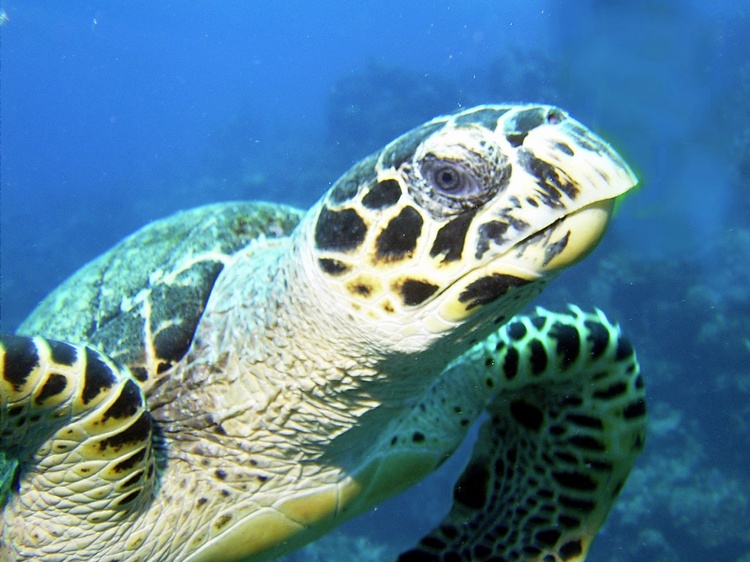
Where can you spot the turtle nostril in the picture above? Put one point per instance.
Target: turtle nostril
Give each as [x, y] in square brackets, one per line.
[555, 116]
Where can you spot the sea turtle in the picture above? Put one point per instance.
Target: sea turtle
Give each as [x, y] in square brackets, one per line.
[233, 381]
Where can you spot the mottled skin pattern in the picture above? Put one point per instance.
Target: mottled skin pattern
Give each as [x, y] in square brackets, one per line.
[255, 376]
[571, 413]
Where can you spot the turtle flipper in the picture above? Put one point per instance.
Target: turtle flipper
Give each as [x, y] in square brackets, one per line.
[562, 436]
[76, 426]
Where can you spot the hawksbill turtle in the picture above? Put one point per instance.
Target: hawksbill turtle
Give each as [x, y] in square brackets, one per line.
[233, 381]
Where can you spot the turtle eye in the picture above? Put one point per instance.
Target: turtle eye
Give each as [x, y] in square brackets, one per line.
[449, 178]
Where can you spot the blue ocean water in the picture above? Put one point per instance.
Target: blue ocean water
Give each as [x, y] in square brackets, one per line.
[114, 114]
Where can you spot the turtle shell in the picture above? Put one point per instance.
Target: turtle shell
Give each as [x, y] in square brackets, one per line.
[141, 301]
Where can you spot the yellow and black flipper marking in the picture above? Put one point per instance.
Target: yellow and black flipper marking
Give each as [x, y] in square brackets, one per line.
[78, 428]
[565, 426]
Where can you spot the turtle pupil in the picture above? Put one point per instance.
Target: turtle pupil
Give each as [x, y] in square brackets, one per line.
[448, 179]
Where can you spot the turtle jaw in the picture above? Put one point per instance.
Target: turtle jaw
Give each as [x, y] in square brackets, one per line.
[525, 268]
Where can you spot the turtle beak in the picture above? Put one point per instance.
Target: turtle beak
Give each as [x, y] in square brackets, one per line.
[529, 265]
[562, 244]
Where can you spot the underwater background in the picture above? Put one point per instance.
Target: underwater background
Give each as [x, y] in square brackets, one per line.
[116, 113]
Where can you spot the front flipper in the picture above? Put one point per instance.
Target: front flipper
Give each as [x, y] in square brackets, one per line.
[79, 438]
[564, 429]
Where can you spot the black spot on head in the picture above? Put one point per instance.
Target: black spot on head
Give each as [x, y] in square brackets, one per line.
[382, 195]
[415, 292]
[529, 119]
[63, 353]
[493, 231]
[418, 437]
[555, 248]
[451, 237]
[98, 376]
[399, 238]
[348, 185]
[339, 230]
[221, 474]
[487, 118]
[403, 148]
[528, 415]
[20, 359]
[362, 289]
[333, 267]
[564, 147]
[585, 139]
[126, 404]
[552, 184]
[516, 139]
[471, 488]
[488, 289]
[54, 385]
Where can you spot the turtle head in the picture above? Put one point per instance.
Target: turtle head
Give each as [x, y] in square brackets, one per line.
[457, 224]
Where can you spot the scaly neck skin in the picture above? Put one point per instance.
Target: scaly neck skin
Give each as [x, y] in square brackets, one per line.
[281, 393]
[279, 365]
